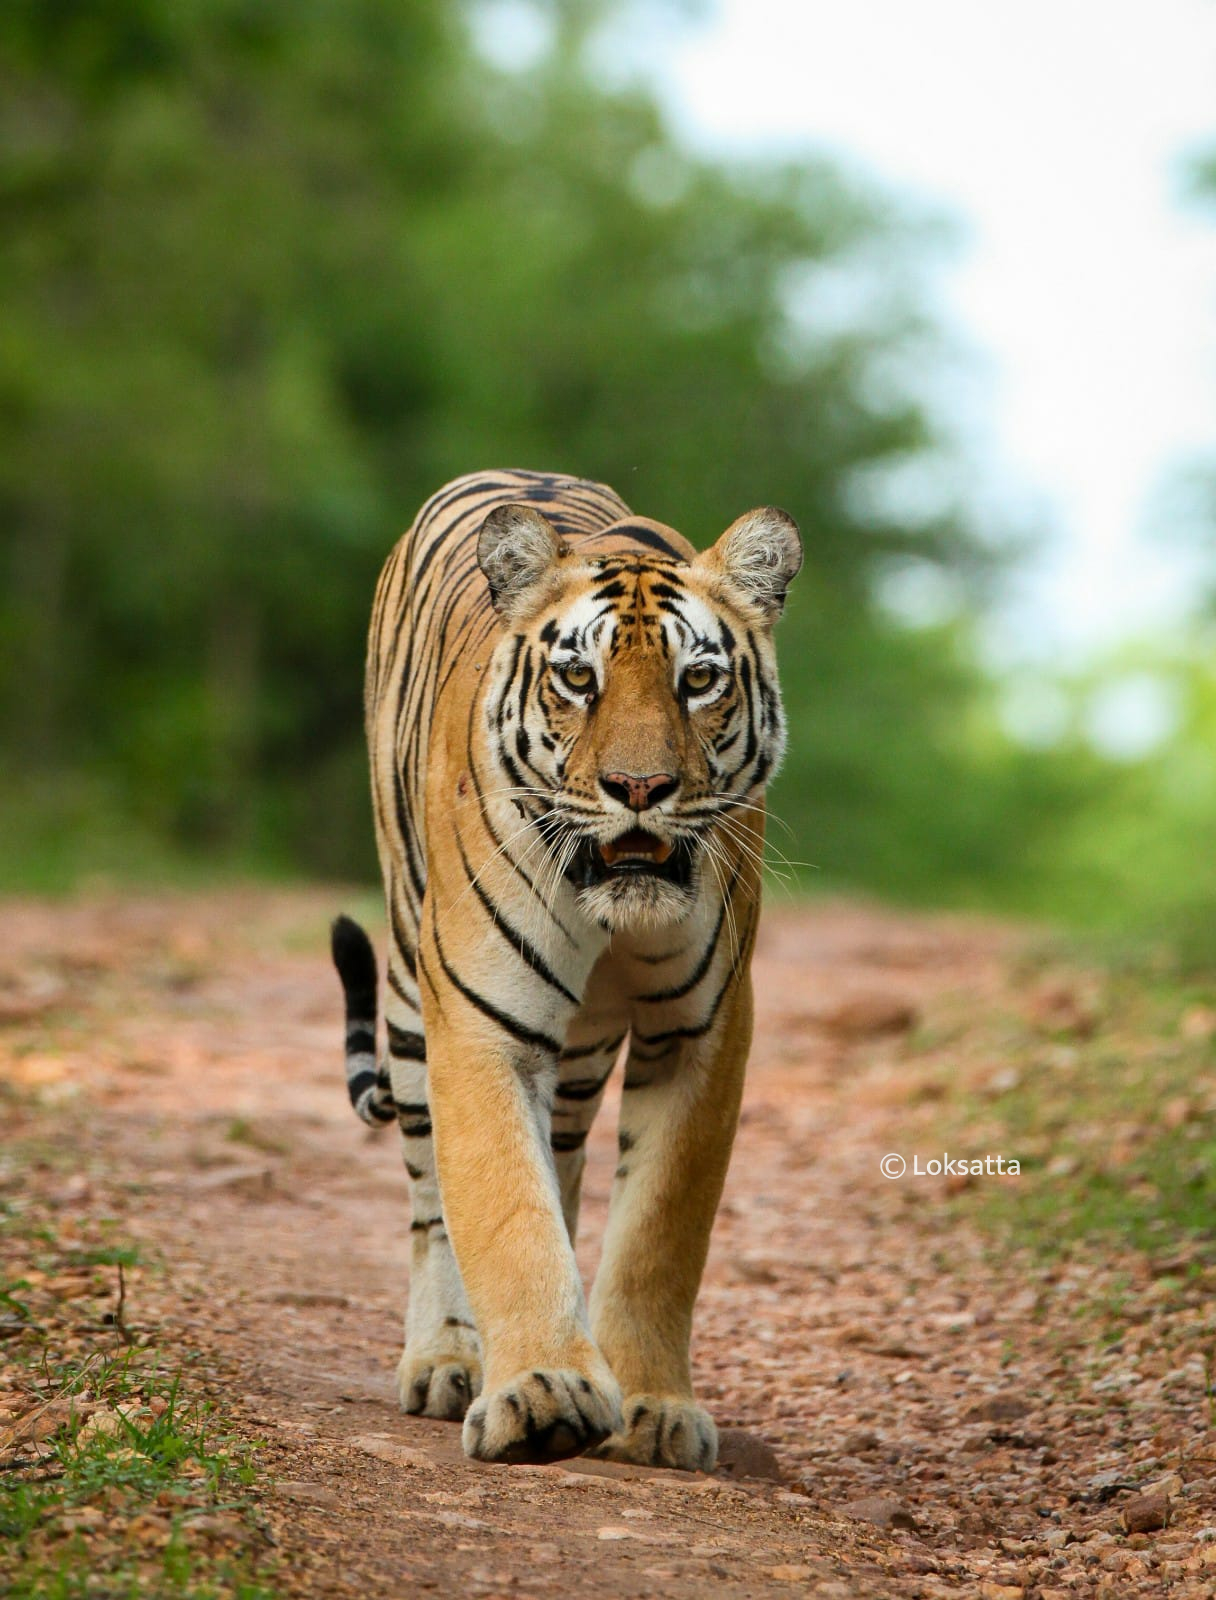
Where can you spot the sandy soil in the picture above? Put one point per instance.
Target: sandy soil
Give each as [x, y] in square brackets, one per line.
[906, 1410]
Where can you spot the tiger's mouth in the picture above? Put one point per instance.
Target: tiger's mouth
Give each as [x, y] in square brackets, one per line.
[635, 849]
[636, 854]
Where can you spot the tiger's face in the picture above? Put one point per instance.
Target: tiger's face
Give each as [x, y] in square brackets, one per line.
[633, 705]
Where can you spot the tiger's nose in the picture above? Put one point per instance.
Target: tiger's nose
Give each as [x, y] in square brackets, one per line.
[638, 793]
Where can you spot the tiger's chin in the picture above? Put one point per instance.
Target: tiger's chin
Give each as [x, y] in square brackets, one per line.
[640, 903]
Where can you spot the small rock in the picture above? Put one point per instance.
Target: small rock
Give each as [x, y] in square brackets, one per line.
[914, 1561]
[859, 1442]
[1145, 1513]
[998, 1408]
[1105, 1485]
[745, 1455]
[791, 1574]
[882, 1511]
[1170, 1485]
[105, 1423]
[1057, 1538]
[868, 1016]
[312, 1494]
[248, 1181]
[899, 1349]
[387, 1450]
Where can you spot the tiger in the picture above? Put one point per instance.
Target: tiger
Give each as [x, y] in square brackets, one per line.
[571, 718]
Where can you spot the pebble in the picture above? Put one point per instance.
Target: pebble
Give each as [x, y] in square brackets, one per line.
[1145, 1513]
[390, 1450]
[859, 1442]
[1170, 1485]
[867, 1016]
[313, 1494]
[881, 1511]
[746, 1455]
[998, 1408]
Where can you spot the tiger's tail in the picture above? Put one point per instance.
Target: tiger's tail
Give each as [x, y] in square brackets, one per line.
[367, 1083]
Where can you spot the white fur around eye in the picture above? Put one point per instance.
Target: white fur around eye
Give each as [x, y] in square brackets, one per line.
[559, 667]
[698, 699]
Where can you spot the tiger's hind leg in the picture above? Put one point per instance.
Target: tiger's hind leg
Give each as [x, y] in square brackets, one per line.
[439, 1374]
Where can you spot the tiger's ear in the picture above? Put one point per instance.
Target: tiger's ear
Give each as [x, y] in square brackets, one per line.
[760, 555]
[516, 549]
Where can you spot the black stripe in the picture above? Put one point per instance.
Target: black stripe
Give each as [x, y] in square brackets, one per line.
[653, 540]
[524, 948]
[360, 1084]
[565, 1143]
[702, 967]
[581, 1088]
[702, 1028]
[517, 1030]
[582, 1051]
[360, 1039]
[404, 1045]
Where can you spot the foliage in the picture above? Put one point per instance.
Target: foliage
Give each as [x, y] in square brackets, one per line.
[277, 271]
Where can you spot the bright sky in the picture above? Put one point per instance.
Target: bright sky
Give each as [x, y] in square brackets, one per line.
[1056, 130]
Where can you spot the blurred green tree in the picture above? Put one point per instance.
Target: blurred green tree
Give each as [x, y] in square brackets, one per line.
[274, 271]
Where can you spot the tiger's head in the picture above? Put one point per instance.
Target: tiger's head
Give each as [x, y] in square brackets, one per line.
[633, 703]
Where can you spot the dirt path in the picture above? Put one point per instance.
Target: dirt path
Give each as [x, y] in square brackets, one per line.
[941, 1421]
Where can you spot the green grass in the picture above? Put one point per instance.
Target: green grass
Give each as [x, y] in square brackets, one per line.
[1114, 1123]
[144, 1488]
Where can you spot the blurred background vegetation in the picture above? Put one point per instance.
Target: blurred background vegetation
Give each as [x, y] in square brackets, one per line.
[274, 271]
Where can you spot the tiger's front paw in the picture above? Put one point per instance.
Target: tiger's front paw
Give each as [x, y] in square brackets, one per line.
[540, 1416]
[440, 1382]
[664, 1432]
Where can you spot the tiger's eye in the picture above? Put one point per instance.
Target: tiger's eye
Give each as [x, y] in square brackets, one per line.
[698, 679]
[578, 676]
